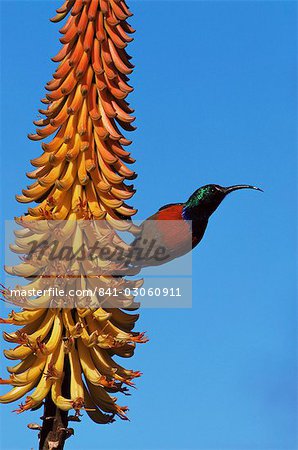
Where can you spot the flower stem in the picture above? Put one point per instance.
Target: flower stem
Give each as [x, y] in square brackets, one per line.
[54, 430]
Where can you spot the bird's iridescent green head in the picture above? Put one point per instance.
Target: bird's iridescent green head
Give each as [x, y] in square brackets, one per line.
[205, 200]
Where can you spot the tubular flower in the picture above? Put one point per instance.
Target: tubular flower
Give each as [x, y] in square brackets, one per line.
[82, 170]
[85, 341]
[68, 351]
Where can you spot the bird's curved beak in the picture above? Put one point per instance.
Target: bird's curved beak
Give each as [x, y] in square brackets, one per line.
[230, 189]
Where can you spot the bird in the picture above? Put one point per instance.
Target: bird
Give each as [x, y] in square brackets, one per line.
[177, 228]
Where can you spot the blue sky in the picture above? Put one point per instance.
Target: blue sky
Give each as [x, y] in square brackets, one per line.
[216, 101]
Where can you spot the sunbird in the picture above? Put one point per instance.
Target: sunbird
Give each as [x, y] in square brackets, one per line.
[177, 228]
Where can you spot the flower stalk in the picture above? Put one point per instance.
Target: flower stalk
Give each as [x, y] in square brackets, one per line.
[65, 352]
